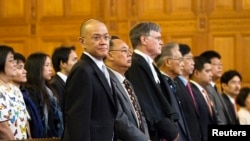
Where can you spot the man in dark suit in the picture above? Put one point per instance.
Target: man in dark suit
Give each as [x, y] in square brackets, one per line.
[186, 97]
[63, 59]
[170, 63]
[231, 85]
[200, 78]
[130, 123]
[90, 104]
[221, 110]
[148, 82]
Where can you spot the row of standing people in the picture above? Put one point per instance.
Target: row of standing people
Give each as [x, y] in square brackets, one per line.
[96, 108]
[31, 105]
[170, 110]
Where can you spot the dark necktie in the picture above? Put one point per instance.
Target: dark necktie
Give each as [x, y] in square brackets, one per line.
[134, 102]
[215, 87]
[172, 85]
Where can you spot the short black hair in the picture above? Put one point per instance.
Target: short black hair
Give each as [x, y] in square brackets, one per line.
[19, 57]
[184, 49]
[111, 43]
[61, 53]
[228, 75]
[4, 51]
[209, 54]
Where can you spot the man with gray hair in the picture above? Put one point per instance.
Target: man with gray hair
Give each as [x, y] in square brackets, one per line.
[148, 82]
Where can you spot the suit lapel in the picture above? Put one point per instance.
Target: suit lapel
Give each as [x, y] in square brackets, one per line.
[100, 76]
[122, 92]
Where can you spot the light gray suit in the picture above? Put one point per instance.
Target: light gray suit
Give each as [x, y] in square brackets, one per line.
[221, 110]
[126, 124]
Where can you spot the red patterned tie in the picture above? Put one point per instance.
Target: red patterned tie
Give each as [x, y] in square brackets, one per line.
[209, 102]
[191, 94]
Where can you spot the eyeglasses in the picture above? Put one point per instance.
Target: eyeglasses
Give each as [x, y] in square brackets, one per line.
[180, 59]
[188, 58]
[217, 64]
[98, 37]
[123, 50]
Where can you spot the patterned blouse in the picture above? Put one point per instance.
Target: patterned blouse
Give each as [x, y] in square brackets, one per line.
[13, 109]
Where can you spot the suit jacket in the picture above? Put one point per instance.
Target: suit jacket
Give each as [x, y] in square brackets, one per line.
[126, 121]
[58, 85]
[90, 105]
[205, 117]
[190, 112]
[221, 110]
[177, 105]
[152, 98]
[231, 111]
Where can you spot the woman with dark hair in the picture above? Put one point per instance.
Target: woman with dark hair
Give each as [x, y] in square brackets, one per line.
[243, 100]
[39, 72]
[13, 114]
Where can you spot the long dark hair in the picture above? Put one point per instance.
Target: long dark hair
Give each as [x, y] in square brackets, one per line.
[35, 81]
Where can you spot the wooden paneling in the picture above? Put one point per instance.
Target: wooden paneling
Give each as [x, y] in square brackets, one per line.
[8, 10]
[42, 25]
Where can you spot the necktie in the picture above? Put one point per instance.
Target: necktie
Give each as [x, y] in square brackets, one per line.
[235, 110]
[215, 87]
[172, 84]
[209, 102]
[133, 100]
[106, 73]
[191, 94]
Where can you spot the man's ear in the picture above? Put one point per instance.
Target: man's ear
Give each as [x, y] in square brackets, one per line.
[223, 85]
[109, 56]
[81, 40]
[62, 64]
[143, 40]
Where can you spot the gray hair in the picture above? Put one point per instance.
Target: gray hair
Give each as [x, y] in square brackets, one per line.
[142, 29]
[166, 51]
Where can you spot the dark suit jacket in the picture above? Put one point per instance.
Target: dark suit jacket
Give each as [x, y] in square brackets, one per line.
[126, 121]
[205, 117]
[152, 98]
[221, 110]
[59, 87]
[231, 111]
[177, 105]
[90, 106]
[190, 113]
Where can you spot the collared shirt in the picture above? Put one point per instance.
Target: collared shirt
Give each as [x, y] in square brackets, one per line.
[99, 63]
[201, 89]
[183, 79]
[150, 63]
[63, 76]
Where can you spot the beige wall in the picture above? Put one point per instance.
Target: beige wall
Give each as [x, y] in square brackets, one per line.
[222, 25]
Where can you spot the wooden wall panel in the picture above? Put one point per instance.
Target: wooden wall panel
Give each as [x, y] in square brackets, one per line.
[224, 44]
[19, 44]
[246, 4]
[79, 8]
[242, 58]
[12, 8]
[41, 25]
[51, 8]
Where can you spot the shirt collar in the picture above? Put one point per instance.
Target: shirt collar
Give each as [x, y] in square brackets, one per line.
[63, 76]
[99, 63]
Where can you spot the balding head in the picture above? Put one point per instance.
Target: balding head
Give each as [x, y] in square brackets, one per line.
[84, 27]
